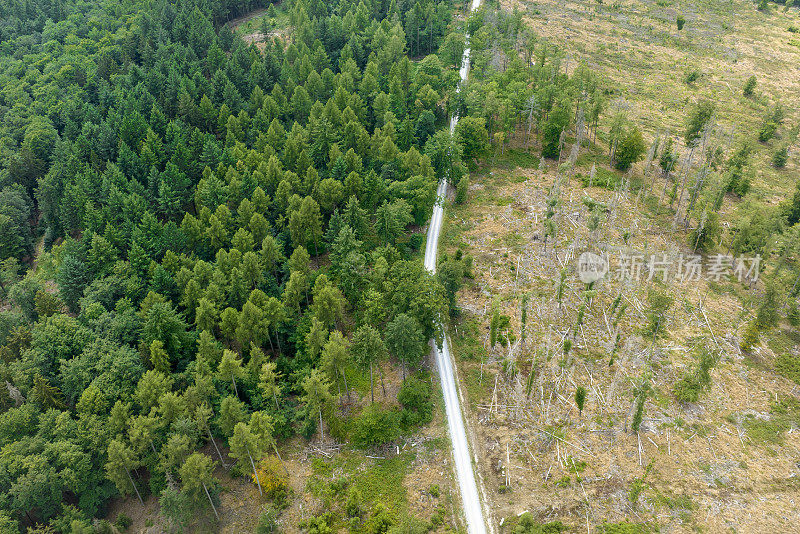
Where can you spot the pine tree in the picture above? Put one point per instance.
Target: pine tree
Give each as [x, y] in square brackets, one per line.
[638, 413]
[230, 368]
[196, 473]
[268, 381]
[316, 395]
[368, 349]
[749, 86]
[580, 398]
[159, 358]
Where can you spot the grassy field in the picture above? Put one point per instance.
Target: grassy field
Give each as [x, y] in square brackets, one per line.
[252, 26]
[724, 463]
[636, 46]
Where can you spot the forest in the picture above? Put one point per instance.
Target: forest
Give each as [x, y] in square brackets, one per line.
[204, 243]
[200, 237]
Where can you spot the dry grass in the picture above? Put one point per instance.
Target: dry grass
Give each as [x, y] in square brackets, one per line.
[708, 472]
[637, 48]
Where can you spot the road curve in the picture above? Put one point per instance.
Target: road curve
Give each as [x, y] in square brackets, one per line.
[470, 498]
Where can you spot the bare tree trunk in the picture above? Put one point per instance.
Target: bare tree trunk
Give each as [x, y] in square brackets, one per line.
[210, 435]
[652, 183]
[235, 390]
[685, 177]
[211, 501]
[275, 448]
[321, 432]
[383, 385]
[346, 389]
[255, 473]
[134, 486]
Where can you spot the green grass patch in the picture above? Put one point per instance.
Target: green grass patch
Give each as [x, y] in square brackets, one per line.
[603, 177]
[465, 338]
[277, 18]
[513, 158]
[357, 492]
[383, 482]
[478, 388]
[623, 528]
[357, 380]
[515, 242]
[682, 505]
[788, 366]
[782, 343]
[527, 524]
[784, 414]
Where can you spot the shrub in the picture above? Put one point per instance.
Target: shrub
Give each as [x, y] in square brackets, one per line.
[316, 525]
[706, 234]
[750, 336]
[680, 21]
[415, 398]
[691, 77]
[273, 479]
[123, 522]
[631, 148]
[409, 525]
[687, 389]
[693, 383]
[415, 241]
[381, 520]
[780, 157]
[601, 178]
[528, 525]
[374, 426]
[353, 505]
[268, 521]
[793, 314]
[767, 313]
[749, 86]
[660, 303]
[461, 189]
[621, 528]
